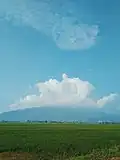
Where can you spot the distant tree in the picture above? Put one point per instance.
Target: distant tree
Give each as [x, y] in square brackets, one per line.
[28, 121]
[46, 121]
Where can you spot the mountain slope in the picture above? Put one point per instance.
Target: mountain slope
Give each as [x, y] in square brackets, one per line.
[59, 114]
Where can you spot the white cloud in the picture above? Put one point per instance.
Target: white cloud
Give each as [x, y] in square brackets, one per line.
[69, 35]
[57, 19]
[69, 92]
[107, 99]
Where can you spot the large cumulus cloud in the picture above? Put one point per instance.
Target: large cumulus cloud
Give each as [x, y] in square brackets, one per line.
[69, 92]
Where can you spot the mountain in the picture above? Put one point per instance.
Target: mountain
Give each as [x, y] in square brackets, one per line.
[59, 114]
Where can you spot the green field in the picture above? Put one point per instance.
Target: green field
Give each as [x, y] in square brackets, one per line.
[57, 139]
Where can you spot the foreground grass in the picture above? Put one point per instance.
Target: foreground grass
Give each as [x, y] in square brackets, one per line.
[112, 153]
[61, 141]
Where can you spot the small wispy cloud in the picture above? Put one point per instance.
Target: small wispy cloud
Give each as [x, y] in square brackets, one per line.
[69, 92]
[70, 35]
[57, 19]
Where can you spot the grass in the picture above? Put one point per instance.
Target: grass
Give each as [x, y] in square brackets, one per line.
[59, 140]
[112, 153]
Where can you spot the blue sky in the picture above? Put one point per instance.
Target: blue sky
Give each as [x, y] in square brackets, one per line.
[30, 51]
